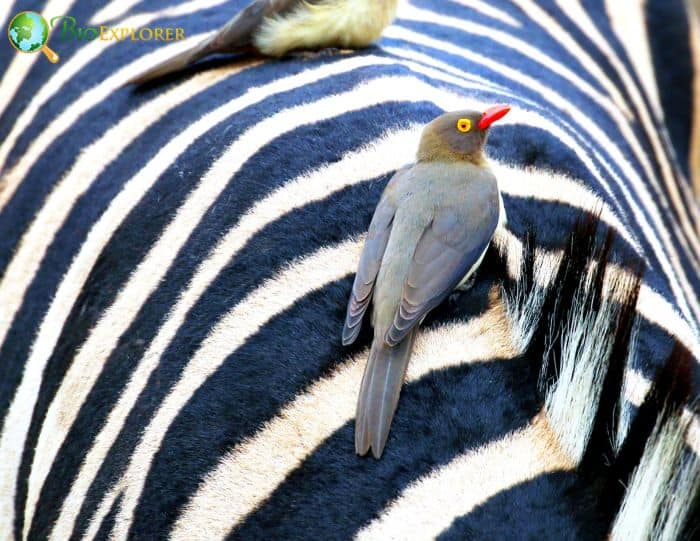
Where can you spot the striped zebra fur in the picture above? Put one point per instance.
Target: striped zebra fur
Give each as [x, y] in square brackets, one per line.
[175, 263]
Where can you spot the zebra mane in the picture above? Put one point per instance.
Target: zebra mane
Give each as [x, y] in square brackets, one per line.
[576, 313]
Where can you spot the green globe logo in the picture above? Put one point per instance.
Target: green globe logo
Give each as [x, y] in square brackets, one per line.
[29, 32]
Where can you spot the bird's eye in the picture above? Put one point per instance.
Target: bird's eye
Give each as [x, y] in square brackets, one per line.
[464, 125]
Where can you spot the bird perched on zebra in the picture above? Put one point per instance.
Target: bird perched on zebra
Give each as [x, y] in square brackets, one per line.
[276, 27]
[429, 233]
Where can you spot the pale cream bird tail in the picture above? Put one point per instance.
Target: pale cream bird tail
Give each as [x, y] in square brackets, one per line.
[379, 393]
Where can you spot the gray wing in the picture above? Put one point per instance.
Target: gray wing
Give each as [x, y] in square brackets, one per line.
[371, 259]
[448, 248]
[235, 35]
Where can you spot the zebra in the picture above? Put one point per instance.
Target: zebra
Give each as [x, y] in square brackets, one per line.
[176, 260]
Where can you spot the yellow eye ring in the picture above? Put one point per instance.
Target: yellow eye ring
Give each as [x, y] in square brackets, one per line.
[464, 125]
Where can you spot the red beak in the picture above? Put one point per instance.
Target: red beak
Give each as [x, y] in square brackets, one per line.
[492, 114]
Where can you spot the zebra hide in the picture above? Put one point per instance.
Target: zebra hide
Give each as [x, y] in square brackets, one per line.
[175, 262]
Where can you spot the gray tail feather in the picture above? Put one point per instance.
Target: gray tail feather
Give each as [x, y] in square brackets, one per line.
[379, 393]
[175, 63]
[234, 37]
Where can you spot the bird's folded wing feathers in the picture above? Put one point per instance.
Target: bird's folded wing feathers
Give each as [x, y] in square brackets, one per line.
[370, 260]
[448, 248]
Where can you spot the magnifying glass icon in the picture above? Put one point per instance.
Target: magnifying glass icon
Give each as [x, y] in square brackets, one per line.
[29, 33]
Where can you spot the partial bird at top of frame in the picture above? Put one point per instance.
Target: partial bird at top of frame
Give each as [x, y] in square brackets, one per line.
[275, 27]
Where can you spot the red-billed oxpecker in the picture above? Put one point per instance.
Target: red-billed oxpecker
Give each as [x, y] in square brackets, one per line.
[429, 233]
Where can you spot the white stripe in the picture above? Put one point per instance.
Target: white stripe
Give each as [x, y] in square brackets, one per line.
[422, 63]
[694, 150]
[69, 70]
[298, 430]
[636, 387]
[489, 11]
[579, 16]
[554, 28]
[92, 161]
[628, 21]
[116, 9]
[112, 11]
[16, 423]
[429, 505]
[381, 157]
[5, 15]
[693, 436]
[670, 264]
[657, 310]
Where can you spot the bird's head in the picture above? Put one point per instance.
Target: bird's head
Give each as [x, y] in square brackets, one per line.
[458, 136]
